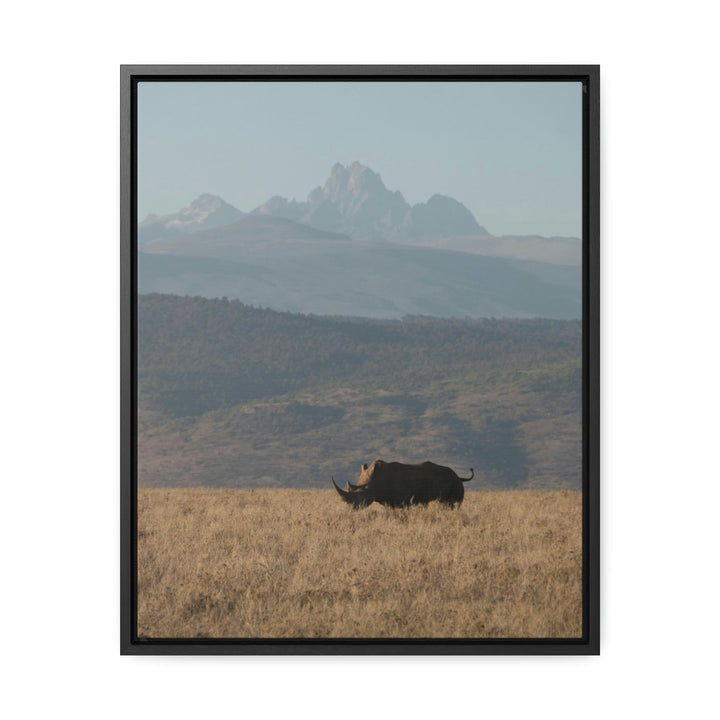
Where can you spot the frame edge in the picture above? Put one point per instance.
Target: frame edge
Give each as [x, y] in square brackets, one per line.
[129, 644]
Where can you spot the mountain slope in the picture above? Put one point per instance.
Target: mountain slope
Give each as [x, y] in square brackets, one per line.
[304, 271]
[238, 396]
[250, 229]
[556, 250]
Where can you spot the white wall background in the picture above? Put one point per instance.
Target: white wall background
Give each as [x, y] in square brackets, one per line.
[60, 358]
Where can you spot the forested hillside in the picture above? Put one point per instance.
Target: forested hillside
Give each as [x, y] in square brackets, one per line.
[232, 395]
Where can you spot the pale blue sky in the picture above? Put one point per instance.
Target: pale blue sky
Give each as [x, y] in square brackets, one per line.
[511, 152]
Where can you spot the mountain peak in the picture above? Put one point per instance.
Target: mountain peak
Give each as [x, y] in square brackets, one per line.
[207, 203]
[357, 169]
[354, 180]
[354, 200]
[205, 211]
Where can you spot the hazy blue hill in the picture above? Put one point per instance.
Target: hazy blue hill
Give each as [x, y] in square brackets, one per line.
[549, 250]
[239, 396]
[181, 275]
[304, 270]
[442, 216]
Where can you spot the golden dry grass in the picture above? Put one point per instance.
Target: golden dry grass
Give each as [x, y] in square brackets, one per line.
[273, 563]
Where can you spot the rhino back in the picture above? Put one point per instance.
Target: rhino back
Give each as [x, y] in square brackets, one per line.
[399, 483]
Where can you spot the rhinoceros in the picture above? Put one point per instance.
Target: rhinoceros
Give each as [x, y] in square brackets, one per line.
[398, 484]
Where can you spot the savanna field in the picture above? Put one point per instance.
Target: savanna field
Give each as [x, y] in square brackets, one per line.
[287, 563]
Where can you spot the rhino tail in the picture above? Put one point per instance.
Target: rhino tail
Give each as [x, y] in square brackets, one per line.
[472, 475]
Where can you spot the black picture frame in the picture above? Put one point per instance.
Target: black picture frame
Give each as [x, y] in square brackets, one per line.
[589, 75]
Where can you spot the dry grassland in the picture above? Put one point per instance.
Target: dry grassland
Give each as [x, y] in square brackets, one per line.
[275, 563]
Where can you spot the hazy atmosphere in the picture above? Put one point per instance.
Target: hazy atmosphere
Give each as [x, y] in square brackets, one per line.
[510, 152]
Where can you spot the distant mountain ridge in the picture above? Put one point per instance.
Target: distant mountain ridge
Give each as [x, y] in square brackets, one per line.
[257, 228]
[355, 248]
[332, 276]
[204, 212]
[355, 201]
[535, 248]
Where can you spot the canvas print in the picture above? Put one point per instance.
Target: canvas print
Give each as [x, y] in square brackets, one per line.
[359, 359]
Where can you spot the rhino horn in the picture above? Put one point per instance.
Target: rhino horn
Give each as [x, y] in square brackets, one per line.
[357, 499]
[343, 493]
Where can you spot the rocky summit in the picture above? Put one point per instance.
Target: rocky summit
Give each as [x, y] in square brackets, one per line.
[355, 201]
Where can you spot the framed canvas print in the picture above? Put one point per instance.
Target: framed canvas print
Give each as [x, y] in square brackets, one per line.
[360, 359]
